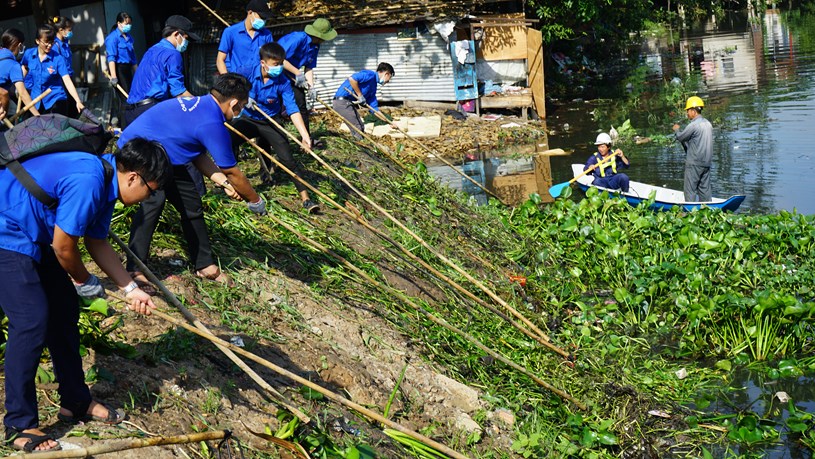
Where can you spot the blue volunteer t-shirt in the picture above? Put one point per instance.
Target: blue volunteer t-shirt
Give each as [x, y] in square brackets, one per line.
[270, 95]
[10, 70]
[160, 74]
[366, 79]
[186, 127]
[45, 74]
[119, 47]
[300, 49]
[242, 51]
[85, 207]
[63, 48]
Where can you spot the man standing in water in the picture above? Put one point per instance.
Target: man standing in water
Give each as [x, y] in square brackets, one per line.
[697, 140]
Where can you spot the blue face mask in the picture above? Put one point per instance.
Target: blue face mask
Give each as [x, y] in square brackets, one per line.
[258, 24]
[183, 46]
[380, 80]
[274, 71]
[126, 28]
[69, 34]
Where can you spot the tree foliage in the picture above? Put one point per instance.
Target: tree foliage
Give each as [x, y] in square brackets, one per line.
[567, 19]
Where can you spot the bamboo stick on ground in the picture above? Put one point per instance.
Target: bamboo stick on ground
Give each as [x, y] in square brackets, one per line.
[32, 104]
[126, 444]
[416, 237]
[300, 380]
[277, 396]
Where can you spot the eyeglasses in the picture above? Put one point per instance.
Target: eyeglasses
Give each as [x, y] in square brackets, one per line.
[149, 188]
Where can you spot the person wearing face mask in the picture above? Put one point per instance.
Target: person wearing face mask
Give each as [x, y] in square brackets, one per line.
[119, 52]
[271, 91]
[65, 31]
[192, 130]
[160, 74]
[11, 73]
[360, 89]
[44, 69]
[301, 59]
[241, 42]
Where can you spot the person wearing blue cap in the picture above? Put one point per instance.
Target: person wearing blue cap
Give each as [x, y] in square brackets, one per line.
[44, 68]
[301, 49]
[192, 131]
[241, 42]
[160, 74]
[43, 274]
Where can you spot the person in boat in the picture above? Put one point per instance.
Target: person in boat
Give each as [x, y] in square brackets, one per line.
[606, 175]
[697, 140]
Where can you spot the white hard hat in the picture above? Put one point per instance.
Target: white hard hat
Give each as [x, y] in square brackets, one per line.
[603, 138]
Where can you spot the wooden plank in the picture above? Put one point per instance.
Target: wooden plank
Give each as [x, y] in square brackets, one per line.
[428, 105]
[503, 42]
[534, 62]
[514, 189]
[507, 101]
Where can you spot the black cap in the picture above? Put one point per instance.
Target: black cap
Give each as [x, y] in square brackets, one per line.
[260, 7]
[182, 23]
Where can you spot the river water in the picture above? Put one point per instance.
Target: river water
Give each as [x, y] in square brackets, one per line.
[756, 75]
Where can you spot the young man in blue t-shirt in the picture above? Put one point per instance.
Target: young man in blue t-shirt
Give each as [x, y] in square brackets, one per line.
[39, 259]
[188, 128]
[241, 42]
[360, 89]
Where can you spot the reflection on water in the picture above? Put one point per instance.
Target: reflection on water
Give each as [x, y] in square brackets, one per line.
[756, 77]
[751, 391]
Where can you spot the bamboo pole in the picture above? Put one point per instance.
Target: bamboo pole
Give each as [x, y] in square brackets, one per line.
[428, 149]
[190, 317]
[300, 380]
[32, 104]
[540, 338]
[437, 320]
[416, 237]
[213, 13]
[126, 444]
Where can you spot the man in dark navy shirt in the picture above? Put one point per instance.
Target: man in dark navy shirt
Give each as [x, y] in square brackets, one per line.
[188, 128]
[160, 74]
[39, 258]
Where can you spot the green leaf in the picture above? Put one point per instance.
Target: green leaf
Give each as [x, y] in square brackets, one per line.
[724, 365]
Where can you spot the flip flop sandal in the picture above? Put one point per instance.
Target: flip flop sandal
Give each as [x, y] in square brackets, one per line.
[115, 416]
[35, 440]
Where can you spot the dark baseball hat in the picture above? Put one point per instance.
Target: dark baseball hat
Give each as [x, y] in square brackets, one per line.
[182, 23]
[260, 7]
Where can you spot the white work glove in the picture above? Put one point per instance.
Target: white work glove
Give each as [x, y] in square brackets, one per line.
[300, 80]
[251, 104]
[90, 289]
[114, 82]
[361, 100]
[259, 208]
[312, 95]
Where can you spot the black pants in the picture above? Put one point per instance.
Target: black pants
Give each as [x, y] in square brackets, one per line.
[270, 136]
[65, 107]
[132, 112]
[43, 310]
[124, 72]
[300, 99]
[183, 195]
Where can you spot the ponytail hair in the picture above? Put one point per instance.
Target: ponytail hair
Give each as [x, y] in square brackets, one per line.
[61, 22]
[121, 17]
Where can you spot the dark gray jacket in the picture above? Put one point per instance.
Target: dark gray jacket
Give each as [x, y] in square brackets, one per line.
[697, 139]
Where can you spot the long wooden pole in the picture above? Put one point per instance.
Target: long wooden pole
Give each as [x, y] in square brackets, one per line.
[428, 149]
[213, 13]
[300, 380]
[191, 317]
[437, 320]
[127, 444]
[416, 237]
[31, 104]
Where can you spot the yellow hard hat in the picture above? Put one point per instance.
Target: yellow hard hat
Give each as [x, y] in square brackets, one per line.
[694, 102]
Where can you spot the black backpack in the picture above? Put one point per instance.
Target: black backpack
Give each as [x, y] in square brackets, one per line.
[44, 134]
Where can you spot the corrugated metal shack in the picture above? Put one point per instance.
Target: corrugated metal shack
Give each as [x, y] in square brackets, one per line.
[406, 34]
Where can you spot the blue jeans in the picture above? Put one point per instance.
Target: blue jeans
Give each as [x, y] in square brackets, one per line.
[42, 307]
[615, 182]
